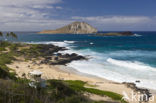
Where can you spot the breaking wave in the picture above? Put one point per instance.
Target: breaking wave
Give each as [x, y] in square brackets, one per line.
[132, 65]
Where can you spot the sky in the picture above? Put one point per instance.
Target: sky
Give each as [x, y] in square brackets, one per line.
[105, 15]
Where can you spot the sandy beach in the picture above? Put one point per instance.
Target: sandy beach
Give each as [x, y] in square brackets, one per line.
[22, 68]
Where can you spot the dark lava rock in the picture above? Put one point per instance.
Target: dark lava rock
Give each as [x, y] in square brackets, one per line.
[137, 81]
[140, 90]
[49, 51]
[127, 33]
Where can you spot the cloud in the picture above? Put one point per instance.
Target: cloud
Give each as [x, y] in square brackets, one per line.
[59, 7]
[28, 3]
[119, 22]
[115, 19]
[35, 25]
[23, 14]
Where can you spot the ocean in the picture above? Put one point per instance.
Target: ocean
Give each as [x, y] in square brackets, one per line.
[117, 58]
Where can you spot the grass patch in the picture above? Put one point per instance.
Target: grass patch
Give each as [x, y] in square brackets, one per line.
[2, 49]
[79, 86]
[33, 51]
[4, 44]
[6, 58]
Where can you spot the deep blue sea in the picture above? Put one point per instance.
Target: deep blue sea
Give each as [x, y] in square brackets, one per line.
[117, 58]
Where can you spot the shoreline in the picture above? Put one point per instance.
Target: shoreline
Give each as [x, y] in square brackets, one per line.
[72, 70]
[64, 73]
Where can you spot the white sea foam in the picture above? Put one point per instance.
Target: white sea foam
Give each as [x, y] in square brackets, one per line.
[57, 43]
[70, 42]
[133, 53]
[115, 73]
[132, 65]
[91, 43]
[137, 35]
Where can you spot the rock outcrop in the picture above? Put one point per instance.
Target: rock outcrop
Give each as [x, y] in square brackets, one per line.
[144, 92]
[74, 28]
[127, 33]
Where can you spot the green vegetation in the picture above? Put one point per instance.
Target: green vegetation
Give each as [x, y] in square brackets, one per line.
[80, 86]
[17, 92]
[55, 92]
[32, 52]
[2, 49]
[6, 58]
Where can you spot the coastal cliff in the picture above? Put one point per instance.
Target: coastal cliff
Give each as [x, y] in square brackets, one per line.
[73, 28]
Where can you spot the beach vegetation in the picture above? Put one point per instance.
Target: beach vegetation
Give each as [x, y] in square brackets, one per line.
[56, 92]
[80, 86]
[2, 49]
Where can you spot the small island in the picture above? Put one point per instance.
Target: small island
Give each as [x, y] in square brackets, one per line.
[73, 28]
[127, 33]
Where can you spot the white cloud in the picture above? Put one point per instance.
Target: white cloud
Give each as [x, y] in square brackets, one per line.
[59, 7]
[29, 14]
[115, 19]
[21, 3]
[120, 22]
[35, 25]
[42, 7]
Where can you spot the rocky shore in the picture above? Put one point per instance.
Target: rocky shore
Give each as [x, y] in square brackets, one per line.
[60, 59]
[145, 92]
[49, 54]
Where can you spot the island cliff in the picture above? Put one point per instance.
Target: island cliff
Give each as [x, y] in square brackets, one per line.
[73, 28]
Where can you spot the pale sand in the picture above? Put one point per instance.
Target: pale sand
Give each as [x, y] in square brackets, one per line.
[64, 73]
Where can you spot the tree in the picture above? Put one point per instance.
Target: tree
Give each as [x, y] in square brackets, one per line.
[1, 34]
[11, 34]
[7, 34]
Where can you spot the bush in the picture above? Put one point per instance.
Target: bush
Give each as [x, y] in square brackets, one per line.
[2, 49]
